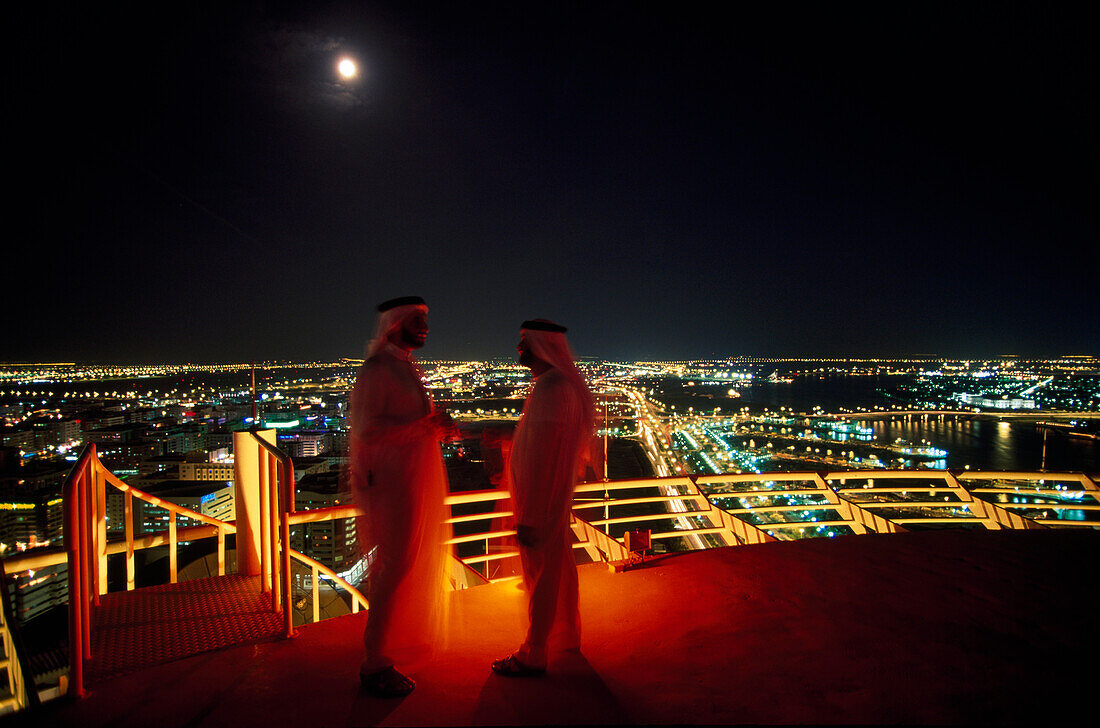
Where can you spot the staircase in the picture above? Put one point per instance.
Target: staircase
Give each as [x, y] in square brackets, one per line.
[153, 625]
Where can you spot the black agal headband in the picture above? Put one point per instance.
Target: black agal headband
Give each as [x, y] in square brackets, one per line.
[402, 301]
[543, 325]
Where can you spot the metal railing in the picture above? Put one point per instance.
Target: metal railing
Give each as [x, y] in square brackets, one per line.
[791, 505]
[742, 509]
[87, 547]
[13, 660]
[276, 476]
[923, 498]
[1054, 500]
[682, 512]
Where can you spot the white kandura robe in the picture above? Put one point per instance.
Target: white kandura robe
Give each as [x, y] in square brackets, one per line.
[398, 479]
[550, 443]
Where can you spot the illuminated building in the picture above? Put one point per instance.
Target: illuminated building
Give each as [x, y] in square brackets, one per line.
[113, 434]
[185, 438]
[334, 543]
[1004, 402]
[35, 593]
[30, 509]
[18, 522]
[305, 444]
[208, 497]
[19, 439]
[222, 471]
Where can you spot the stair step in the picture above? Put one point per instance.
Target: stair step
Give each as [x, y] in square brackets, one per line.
[152, 625]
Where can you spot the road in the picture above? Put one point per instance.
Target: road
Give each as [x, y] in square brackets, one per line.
[649, 439]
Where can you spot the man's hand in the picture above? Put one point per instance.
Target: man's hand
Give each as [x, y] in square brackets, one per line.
[448, 430]
[527, 536]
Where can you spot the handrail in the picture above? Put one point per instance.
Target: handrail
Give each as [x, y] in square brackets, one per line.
[35, 559]
[179, 510]
[328, 513]
[611, 548]
[75, 524]
[462, 575]
[316, 569]
[87, 547]
[989, 514]
[175, 535]
[277, 504]
[24, 693]
[52, 556]
[46, 557]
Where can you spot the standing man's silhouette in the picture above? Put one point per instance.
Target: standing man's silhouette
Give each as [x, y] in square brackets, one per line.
[550, 446]
[398, 480]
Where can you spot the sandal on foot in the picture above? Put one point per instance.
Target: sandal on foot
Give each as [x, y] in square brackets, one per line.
[512, 667]
[387, 683]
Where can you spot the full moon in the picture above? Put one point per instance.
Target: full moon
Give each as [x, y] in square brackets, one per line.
[347, 68]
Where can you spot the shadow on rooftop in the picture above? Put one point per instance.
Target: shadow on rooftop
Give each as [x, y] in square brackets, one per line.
[933, 628]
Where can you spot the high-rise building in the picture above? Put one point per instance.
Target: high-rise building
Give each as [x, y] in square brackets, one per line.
[209, 497]
[334, 543]
[206, 471]
[185, 438]
[35, 592]
[306, 444]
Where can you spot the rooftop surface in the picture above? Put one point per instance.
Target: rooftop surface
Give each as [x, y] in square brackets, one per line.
[934, 627]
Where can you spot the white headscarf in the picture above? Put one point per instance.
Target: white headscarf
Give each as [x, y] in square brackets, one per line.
[388, 321]
[553, 348]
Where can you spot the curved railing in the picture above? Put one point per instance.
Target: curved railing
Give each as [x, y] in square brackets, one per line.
[87, 546]
[317, 570]
[693, 512]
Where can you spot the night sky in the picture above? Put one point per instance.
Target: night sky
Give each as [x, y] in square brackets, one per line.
[669, 181]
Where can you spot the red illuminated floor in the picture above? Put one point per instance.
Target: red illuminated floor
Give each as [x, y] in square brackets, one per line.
[146, 627]
[944, 627]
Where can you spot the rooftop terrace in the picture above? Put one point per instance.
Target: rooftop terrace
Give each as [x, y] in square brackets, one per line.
[950, 626]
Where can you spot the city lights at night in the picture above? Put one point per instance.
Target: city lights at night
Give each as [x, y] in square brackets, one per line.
[829, 453]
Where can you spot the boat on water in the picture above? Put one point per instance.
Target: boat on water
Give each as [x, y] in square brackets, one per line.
[923, 451]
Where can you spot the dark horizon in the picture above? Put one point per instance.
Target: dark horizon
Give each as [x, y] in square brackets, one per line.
[669, 184]
[735, 358]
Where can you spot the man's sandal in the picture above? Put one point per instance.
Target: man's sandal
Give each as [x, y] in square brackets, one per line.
[387, 683]
[512, 667]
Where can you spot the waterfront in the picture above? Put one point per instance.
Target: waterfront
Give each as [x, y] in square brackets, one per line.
[218, 398]
[972, 440]
[993, 444]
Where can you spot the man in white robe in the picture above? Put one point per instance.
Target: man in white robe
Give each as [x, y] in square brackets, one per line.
[399, 481]
[549, 448]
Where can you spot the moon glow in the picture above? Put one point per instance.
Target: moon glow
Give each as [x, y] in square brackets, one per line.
[347, 68]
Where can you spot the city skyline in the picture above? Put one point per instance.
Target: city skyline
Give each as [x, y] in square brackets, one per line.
[143, 368]
[669, 185]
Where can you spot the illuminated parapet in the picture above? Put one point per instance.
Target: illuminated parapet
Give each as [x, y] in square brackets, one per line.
[1057, 500]
[921, 500]
[676, 513]
[787, 506]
